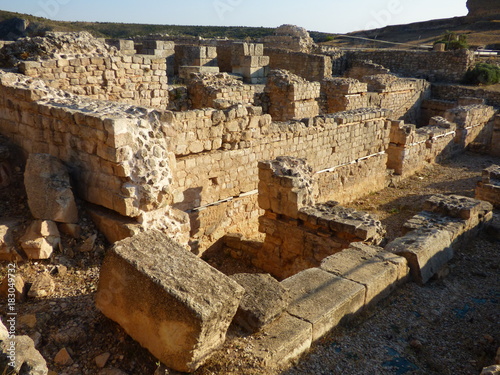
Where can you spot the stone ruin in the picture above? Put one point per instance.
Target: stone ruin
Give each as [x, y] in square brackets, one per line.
[175, 146]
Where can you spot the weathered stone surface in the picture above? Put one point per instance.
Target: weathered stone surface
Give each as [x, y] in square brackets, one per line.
[323, 299]
[43, 286]
[27, 359]
[167, 299]
[40, 239]
[49, 190]
[369, 266]
[19, 288]
[491, 370]
[489, 188]
[101, 359]
[7, 244]
[4, 334]
[264, 300]
[483, 8]
[427, 250]
[283, 341]
[457, 206]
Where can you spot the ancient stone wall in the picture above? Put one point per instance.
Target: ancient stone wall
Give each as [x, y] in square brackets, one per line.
[194, 56]
[452, 92]
[411, 148]
[433, 66]
[218, 90]
[139, 79]
[474, 123]
[402, 96]
[300, 233]
[219, 186]
[488, 189]
[495, 137]
[291, 97]
[433, 107]
[211, 129]
[290, 37]
[309, 66]
[118, 154]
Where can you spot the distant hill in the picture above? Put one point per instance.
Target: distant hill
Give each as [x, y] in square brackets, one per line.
[480, 32]
[38, 25]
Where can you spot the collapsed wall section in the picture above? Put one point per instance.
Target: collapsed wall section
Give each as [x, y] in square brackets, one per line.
[118, 155]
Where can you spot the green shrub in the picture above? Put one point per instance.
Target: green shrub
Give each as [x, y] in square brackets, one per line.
[453, 41]
[483, 73]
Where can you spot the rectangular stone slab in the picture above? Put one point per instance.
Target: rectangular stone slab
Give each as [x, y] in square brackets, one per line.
[426, 250]
[283, 341]
[323, 299]
[171, 302]
[363, 265]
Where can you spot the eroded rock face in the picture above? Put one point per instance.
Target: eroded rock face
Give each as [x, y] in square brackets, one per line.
[49, 190]
[482, 8]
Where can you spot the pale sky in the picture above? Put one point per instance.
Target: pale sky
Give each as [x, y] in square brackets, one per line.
[334, 16]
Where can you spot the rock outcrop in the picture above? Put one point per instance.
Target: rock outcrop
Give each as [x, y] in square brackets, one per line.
[483, 8]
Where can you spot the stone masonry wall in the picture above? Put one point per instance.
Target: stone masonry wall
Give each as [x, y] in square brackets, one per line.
[291, 96]
[138, 79]
[218, 90]
[118, 154]
[411, 148]
[299, 232]
[218, 186]
[452, 92]
[433, 66]
[309, 66]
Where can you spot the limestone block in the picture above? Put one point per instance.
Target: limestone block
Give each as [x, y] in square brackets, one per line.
[264, 300]
[40, 239]
[49, 190]
[457, 206]
[167, 299]
[7, 243]
[323, 299]
[28, 360]
[369, 266]
[283, 341]
[427, 250]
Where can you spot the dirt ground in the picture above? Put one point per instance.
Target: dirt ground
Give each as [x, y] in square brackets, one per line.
[450, 326]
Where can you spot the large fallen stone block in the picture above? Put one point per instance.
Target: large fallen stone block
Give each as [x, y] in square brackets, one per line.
[427, 250]
[378, 271]
[264, 300]
[171, 302]
[323, 299]
[49, 190]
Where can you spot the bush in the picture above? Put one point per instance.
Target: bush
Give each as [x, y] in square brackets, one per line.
[454, 41]
[483, 73]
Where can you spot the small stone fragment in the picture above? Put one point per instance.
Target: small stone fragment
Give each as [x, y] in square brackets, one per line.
[43, 286]
[63, 358]
[40, 239]
[101, 360]
[88, 244]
